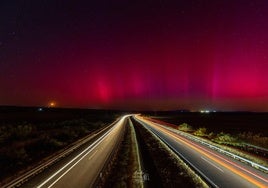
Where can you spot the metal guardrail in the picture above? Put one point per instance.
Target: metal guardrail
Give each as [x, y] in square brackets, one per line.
[253, 164]
[256, 147]
[61, 154]
[202, 175]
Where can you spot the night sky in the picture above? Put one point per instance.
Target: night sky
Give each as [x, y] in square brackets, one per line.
[156, 55]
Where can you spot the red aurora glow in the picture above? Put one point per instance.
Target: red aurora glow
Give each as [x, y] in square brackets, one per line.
[137, 55]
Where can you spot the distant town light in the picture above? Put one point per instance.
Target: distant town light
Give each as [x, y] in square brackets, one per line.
[205, 111]
[52, 104]
[40, 109]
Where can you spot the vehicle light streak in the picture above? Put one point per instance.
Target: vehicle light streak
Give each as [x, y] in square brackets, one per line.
[185, 159]
[253, 164]
[84, 153]
[216, 158]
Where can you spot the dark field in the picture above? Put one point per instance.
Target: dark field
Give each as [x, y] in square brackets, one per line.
[43, 115]
[229, 122]
[30, 134]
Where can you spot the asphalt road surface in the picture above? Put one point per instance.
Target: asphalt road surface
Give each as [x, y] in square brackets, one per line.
[217, 169]
[83, 168]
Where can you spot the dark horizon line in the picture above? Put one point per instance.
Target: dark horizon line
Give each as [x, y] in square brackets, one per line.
[183, 110]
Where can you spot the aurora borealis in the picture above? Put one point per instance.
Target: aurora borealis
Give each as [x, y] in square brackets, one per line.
[161, 55]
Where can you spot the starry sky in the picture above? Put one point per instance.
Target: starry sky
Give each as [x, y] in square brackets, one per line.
[142, 54]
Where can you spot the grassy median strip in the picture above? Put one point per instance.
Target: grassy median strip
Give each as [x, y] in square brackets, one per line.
[172, 170]
[137, 179]
[123, 173]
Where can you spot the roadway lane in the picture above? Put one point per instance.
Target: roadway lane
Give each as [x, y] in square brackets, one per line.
[84, 168]
[218, 170]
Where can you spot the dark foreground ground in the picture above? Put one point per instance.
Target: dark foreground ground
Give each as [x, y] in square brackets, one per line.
[30, 134]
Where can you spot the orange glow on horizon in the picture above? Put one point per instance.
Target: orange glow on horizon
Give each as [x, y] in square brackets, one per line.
[52, 104]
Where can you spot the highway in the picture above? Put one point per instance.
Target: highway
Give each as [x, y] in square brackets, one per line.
[215, 168]
[83, 167]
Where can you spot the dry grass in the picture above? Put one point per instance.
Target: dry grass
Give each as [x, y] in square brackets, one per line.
[127, 163]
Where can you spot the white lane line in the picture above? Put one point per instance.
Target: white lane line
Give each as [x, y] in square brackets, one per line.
[53, 183]
[92, 155]
[106, 135]
[212, 164]
[218, 156]
[61, 169]
[154, 131]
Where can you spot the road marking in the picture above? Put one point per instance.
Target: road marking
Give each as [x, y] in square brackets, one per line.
[177, 153]
[90, 148]
[215, 157]
[71, 168]
[93, 155]
[212, 164]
